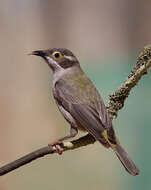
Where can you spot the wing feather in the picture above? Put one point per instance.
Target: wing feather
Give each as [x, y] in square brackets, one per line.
[87, 115]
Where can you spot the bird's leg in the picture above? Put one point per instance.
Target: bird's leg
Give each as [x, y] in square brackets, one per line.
[57, 143]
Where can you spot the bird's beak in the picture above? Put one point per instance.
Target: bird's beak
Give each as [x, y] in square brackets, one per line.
[41, 53]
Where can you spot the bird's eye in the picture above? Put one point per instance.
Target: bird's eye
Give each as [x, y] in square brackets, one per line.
[57, 55]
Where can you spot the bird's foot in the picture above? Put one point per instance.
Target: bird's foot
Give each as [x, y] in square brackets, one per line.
[57, 145]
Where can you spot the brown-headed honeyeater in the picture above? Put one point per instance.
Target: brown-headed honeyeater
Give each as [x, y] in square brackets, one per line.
[81, 104]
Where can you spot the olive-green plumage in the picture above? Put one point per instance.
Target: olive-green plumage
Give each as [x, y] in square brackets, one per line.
[82, 87]
[81, 104]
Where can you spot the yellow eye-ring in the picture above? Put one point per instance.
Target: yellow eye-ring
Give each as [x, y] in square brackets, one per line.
[57, 55]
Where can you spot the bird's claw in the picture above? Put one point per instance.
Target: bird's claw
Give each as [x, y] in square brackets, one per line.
[57, 145]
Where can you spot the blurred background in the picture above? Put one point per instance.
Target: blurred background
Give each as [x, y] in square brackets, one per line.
[107, 37]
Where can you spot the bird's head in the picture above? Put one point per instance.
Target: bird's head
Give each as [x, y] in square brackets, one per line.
[57, 58]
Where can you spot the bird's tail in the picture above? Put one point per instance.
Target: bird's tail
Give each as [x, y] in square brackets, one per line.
[125, 159]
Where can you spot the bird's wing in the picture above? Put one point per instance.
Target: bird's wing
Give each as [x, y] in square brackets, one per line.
[85, 114]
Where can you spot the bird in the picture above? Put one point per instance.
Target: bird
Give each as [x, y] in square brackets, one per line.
[80, 103]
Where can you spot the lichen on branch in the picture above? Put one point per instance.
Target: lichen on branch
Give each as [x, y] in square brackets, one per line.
[117, 99]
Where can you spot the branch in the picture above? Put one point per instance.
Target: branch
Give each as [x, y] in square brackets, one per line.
[83, 141]
[116, 102]
[117, 99]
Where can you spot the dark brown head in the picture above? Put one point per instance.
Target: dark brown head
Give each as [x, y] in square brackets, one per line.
[57, 58]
